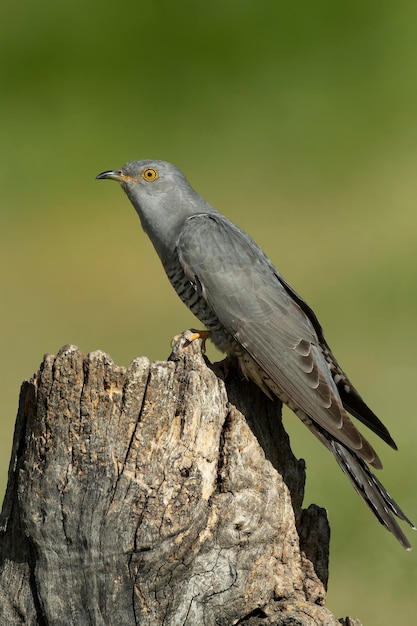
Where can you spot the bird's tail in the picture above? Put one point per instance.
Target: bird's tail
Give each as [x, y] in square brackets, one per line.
[367, 485]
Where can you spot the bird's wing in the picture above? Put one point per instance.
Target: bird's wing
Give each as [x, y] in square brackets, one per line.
[244, 291]
[349, 396]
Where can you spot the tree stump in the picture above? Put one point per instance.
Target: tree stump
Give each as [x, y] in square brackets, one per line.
[159, 494]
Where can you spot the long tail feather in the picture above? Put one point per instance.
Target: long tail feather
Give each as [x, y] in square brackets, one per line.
[367, 485]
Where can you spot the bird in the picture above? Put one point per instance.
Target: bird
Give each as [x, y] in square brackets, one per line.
[251, 313]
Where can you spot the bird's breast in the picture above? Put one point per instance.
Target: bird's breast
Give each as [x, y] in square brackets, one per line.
[192, 297]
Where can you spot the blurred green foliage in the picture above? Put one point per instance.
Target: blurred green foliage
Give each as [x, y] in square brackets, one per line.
[297, 120]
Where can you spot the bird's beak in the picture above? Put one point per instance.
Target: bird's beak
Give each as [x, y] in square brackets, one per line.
[116, 175]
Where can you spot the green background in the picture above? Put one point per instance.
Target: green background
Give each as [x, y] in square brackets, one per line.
[298, 121]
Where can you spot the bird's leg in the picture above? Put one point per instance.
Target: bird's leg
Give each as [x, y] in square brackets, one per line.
[191, 335]
[200, 334]
[226, 366]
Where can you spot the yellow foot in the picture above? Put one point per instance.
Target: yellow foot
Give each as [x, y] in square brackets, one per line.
[191, 335]
[200, 334]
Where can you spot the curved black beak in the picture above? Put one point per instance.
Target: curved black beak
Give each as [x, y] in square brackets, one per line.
[111, 174]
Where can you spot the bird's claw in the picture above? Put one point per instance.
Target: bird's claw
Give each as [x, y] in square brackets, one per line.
[191, 335]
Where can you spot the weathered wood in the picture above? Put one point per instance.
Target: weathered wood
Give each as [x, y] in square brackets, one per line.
[156, 494]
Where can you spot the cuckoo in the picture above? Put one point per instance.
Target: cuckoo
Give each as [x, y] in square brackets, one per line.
[253, 314]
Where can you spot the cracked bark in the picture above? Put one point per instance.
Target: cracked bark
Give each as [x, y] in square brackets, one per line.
[157, 494]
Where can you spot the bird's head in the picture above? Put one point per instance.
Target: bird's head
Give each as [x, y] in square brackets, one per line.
[149, 181]
[162, 197]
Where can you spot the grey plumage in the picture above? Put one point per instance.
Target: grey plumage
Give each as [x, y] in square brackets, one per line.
[253, 314]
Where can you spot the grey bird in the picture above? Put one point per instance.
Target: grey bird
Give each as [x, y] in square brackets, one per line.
[253, 314]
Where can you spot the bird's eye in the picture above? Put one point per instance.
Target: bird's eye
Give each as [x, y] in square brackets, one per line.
[149, 174]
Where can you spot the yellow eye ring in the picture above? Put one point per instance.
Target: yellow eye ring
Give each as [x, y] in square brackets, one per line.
[149, 174]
